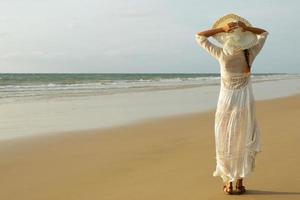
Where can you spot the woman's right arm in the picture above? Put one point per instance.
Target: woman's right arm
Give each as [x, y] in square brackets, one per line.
[254, 30]
[260, 43]
[261, 34]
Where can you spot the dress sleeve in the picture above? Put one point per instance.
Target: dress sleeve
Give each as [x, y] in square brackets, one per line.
[212, 49]
[261, 41]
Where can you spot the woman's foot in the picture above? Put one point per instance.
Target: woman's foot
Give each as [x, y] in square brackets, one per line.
[228, 188]
[240, 189]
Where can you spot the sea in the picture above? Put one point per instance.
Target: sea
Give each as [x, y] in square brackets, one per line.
[21, 87]
[33, 105]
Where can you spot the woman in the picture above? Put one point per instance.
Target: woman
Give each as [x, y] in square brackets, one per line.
[237, 135]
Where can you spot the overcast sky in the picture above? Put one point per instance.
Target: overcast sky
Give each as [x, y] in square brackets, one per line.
[135, 36]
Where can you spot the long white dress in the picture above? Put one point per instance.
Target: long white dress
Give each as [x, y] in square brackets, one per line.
[237, 134]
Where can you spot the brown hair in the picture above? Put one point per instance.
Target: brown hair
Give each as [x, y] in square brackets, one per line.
[246, 53]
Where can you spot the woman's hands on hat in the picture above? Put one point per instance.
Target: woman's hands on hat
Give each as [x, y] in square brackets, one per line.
[230, 26]
[233, 25]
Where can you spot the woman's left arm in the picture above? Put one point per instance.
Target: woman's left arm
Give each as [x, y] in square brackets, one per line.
[210, 32]
[212, 49]
[202, 39]
[227, 28]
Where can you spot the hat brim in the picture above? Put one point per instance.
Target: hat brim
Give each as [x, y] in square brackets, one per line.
[248, 39]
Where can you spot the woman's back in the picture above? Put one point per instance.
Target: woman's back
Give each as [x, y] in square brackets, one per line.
[235, 63]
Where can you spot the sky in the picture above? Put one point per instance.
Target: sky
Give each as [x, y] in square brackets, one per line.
[136, 36]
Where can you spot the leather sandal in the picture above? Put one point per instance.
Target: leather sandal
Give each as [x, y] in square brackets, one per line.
[240, 189]
[227, 190]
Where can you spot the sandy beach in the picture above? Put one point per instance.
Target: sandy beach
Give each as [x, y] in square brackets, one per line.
[164, 158]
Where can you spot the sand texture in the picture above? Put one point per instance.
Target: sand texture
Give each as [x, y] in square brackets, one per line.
[161, 159]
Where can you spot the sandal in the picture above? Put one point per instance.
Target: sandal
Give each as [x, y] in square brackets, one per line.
[240, 189]
[227, 190]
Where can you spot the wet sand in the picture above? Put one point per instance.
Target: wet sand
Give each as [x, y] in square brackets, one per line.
[164, 158]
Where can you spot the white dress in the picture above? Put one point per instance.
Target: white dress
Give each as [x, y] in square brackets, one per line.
[237, 134]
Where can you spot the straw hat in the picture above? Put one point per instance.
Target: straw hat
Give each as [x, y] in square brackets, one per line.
[238, 39]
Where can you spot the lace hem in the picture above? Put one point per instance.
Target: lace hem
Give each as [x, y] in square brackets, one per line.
[226, 177]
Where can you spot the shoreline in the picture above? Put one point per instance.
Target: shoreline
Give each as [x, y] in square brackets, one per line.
[127, 125]
[33, 118]
[170, 158]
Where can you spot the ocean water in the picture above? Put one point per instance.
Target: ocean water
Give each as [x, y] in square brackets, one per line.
[22, 87]
[42, 104]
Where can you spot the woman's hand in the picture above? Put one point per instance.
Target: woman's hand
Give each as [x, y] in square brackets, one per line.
[230, 26]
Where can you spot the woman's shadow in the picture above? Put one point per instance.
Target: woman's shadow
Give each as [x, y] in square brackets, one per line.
[264, 192]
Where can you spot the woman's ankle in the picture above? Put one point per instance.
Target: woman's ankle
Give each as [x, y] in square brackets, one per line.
[229, 184]
[239, 182]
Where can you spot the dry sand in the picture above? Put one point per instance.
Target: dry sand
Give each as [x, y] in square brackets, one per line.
[168, 159]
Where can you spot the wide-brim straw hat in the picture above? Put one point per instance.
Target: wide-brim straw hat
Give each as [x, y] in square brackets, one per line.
[246, 40]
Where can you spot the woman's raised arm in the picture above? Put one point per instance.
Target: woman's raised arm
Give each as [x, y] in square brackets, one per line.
[262, 35]
[254, 30]
[229, 27]
[212, 49]
[210, 32]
